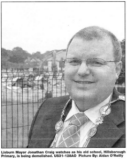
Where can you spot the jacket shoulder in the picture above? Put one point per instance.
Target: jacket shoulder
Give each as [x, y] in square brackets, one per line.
[121, 97]
[52, 105]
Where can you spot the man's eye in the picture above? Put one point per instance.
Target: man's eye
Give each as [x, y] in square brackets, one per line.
[97, 63]
[74, 62]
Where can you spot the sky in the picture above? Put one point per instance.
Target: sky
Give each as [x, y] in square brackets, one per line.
[46, 26]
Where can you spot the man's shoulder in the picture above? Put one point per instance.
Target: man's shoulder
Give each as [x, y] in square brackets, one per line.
[118, 105]
[121, 97]
[51, 107]
[117, 97]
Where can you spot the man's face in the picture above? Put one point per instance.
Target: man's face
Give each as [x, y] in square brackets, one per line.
[91, 82]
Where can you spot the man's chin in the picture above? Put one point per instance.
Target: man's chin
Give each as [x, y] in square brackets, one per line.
[82, 95]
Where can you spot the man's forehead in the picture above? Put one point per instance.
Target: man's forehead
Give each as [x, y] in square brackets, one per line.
[93, 47]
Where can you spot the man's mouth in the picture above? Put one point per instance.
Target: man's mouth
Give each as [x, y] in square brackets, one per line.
[84, 82]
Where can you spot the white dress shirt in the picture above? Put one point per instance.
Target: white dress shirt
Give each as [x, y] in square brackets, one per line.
[93, 114]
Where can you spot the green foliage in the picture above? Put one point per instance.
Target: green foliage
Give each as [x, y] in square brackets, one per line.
[121, 78]
[37, 55]
[123, 53]
[17, 59]
[4, 53]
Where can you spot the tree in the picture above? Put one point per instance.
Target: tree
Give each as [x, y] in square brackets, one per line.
[121, 78]
[37, 55]
[17, 59]
[18, 55]
[4, 53]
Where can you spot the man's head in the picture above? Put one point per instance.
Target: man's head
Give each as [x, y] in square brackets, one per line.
[93, 64]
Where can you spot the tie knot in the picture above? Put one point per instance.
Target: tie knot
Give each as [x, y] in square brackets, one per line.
[78, 119]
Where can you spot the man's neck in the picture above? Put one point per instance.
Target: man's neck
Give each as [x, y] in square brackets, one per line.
[86, 104]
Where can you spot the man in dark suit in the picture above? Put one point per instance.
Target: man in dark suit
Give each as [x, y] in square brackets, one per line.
[93, 114]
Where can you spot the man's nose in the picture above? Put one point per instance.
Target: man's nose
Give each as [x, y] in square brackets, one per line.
[83, 69]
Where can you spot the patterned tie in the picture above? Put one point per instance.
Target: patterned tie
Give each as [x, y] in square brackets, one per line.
[71, 135]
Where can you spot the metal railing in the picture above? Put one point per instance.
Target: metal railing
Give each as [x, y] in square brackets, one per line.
[22, 94]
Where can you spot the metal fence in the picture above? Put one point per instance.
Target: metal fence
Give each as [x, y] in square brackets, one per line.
[21, 96]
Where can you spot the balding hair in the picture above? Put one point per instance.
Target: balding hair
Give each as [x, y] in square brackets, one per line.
[98, 33]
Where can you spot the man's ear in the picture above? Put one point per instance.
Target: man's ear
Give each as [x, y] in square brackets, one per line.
[118, 68]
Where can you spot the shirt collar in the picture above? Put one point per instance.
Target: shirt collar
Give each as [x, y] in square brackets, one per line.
[93, 113]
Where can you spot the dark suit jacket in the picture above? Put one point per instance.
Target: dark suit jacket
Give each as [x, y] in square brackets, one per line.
[109, 134]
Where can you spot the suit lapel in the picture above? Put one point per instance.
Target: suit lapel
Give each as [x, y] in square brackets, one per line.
[49, 126]
[108, 133]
